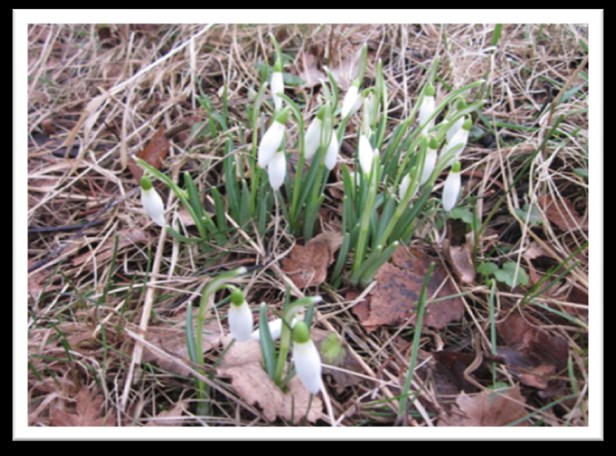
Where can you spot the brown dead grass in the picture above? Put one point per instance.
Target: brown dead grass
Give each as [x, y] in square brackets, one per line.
[97, 94]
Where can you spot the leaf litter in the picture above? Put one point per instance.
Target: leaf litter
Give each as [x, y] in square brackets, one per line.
[86, 413]
[154, 153]
[394, 298]
[242, 364]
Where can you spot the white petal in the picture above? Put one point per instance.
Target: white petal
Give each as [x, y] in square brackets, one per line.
[404, 186]
[153, 205]
[277, 85]
[366, 154]
[312, 138]
[275, 327]
[454, 128]
[461, 137]
[425, 110]
[240, 321]
[351, 102]
[270, 142]
[331, 156]
[277, 170]
[307, 364]
[429, 164]
[451, 190]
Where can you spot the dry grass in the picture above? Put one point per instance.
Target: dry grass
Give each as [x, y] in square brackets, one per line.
[97, 94]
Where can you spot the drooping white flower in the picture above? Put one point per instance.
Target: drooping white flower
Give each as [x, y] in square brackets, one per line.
[429, 162]
[270, 142]
[275, 328]
[277, 86]
[312, 139]
[460, 138]
[306, 359]
[455, 128]
[331, 155]
[366, 154]
[152, 202]
[240, 317]
[277, 170]
[426, 108]
[352, 101]
[451, 187]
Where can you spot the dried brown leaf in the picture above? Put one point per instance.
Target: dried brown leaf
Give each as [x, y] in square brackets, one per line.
[171, 417]
[460, 258]
[394, 298]
[87, 410]
[488, 408]
[171, 338]
[532, 354]
[560, 212]
[154, 153]
[449, 372]
[242, 364]
[307, 265]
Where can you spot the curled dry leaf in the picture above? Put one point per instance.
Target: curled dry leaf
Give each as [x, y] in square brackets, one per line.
[560, 212]
[171, 337]
[86, 413]
[153, 153]
[488, 408]
[394, 298]
[307, 265]
[242, 364]
[534, 355]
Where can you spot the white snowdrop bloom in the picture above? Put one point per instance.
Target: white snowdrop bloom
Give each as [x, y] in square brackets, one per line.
[152, 202]
[270, 142]
[366, 154]
[275, 328]
[370, 111]
[312, 139]
[240, 317]
[460, 138]
[351, 102]
[427, 107]
[451, 188]
[306, 359]
[331, 155]
[454, 128]
[277, 86]
[404, 186]
[429, 164]
[277, 170]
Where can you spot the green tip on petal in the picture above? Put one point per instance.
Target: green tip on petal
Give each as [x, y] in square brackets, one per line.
[145, 183]
[301, 333]
[430, 90]
[433, 143]
[282, 116]
[237, 297]
[456, 167]
[468, 123]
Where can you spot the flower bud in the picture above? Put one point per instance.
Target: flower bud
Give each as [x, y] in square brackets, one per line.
[306, 358]
[427, 107]
[352, 101]
[429, 161]
[152, 202]
[366, 154]
[277, 85]
[331, 155]
[270, 142]
[277, 170]
[240, 317]
[312, 139]
[451, 188]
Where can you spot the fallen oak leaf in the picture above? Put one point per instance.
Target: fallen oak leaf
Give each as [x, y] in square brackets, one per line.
[488, 408]
[242, 364]
[87, 410]
[394, 298]
[306, 265]
[154, 153]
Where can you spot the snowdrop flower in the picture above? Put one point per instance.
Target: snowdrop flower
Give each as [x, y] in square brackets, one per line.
[370, 113]
[331, 155]
[240, 316]
[312, 139]
[454, 128]
[277, 170]
[366, 154]
[152, 202]
[277, 84]
[275, 328]
[429, 161]
[460, 138]
[272, 139]
[352, 100]
[404, 186]
[427, 107]
[451, 188]
[306, 359]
